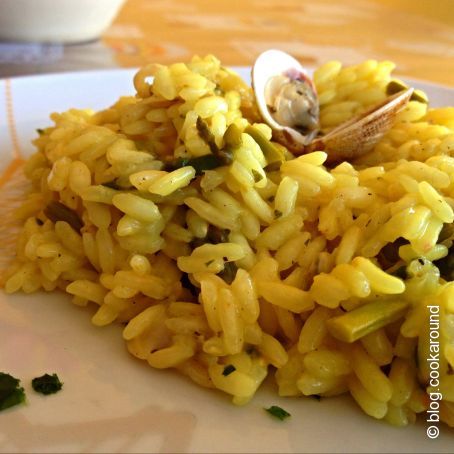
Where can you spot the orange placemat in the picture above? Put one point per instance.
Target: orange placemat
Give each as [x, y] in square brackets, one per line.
[418, 36]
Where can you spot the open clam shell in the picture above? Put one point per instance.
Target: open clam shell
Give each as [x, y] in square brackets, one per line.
[297, 127]
[286, 97]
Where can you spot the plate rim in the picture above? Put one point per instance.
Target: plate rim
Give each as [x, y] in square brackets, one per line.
[133, 69]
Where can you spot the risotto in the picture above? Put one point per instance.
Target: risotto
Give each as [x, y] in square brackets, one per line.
[225, 257]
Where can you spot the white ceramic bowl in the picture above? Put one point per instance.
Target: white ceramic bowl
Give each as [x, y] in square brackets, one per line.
[63, 21]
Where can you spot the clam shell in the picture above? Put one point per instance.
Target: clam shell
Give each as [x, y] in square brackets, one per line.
[361, 133]
[349, 140]
[269, 64]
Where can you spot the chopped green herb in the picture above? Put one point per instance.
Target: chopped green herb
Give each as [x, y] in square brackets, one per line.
[273, 166]
[209, 262]
[229, 272]
[111, 184]
[7, 383]
[188, 285]
[200, 164]
[216, 235]
[218, 90]
[16, 397]
[278, 412]
[228, 370]
[257, 176]
[56, 211]
[40, 131]
[11, 393]
[208, 137]
[47, 384]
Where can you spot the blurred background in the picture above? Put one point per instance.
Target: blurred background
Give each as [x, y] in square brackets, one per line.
[418, 35]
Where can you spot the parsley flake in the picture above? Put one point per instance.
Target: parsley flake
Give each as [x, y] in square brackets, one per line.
[228, 370]
[11, 393]
[111, 184]
[278, 412]
[257, 176]
[47, 384]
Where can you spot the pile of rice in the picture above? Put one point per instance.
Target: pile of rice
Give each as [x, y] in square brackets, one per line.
[252, 262]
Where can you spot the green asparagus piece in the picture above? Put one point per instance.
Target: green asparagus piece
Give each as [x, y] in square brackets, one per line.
[363, 320]
[271, 152]
[56, 211]
[232, 136]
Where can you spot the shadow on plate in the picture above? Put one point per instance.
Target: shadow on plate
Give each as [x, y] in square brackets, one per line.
[152, 429]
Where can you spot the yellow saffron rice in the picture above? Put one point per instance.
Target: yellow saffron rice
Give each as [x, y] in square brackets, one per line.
[229, 259]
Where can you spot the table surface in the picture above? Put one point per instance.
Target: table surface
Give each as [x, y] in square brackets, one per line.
[418, 35]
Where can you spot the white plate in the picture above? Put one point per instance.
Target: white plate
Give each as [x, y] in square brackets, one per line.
[112, 402]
